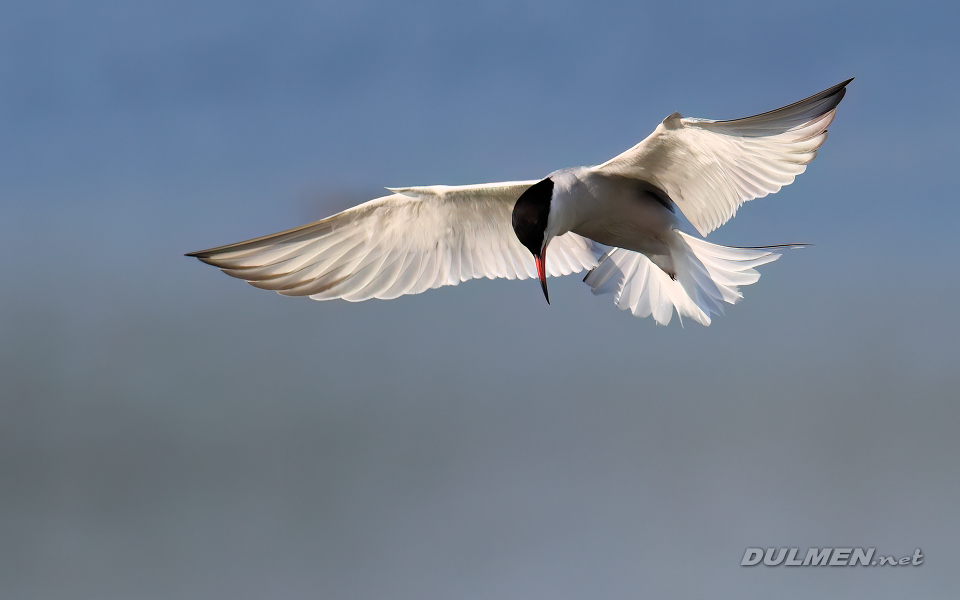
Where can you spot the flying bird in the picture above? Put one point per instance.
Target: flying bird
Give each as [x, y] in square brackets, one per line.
[617, 220]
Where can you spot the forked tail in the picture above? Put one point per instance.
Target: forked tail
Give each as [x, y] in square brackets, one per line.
[707, 275]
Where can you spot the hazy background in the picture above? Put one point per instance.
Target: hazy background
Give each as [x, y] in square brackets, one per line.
[169, 432]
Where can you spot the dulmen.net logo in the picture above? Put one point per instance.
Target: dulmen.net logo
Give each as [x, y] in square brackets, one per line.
[826, 557]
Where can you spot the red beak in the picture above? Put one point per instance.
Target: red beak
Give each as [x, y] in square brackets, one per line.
[542, 273]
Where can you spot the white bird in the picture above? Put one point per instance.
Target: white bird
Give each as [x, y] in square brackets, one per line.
[617, 220]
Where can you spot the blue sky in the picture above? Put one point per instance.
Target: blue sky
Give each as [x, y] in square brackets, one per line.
[169, 431]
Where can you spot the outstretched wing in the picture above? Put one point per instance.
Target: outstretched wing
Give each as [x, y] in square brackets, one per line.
[413, 240]
[710, 168]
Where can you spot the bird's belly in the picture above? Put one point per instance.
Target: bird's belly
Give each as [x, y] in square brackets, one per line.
[616, 234]
[640, 226]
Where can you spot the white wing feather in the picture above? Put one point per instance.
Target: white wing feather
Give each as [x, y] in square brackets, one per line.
[411, 241]
[710, 168]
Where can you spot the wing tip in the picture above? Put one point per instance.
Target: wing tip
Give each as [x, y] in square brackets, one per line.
[810, 107]
[205, 256]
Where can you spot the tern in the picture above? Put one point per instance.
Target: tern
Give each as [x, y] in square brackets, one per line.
[616, 220]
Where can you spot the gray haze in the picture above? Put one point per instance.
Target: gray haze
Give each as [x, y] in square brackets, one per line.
[169, 432]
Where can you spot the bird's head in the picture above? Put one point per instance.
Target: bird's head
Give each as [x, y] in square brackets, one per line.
[530, 216]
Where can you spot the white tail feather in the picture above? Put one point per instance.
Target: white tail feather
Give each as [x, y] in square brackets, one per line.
[707, 275]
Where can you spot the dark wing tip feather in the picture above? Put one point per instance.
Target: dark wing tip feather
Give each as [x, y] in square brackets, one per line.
[272, 238]
[774, 246]
[808, 108]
